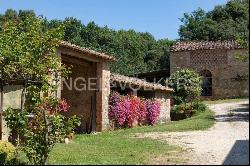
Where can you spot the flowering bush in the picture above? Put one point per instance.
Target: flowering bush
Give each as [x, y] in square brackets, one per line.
[153, 110]
[40, 127]
[133, 112]
[113, 105]
[125, 111]
[142, 111]
[54, 105]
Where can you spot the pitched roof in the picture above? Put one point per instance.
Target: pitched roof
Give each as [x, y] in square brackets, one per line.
[139, 82]
[204, 45]
[74, 47]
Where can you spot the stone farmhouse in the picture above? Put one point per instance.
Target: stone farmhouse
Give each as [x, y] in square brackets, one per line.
[223, 75]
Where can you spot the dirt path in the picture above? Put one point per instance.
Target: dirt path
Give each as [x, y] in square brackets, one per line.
[227, 142]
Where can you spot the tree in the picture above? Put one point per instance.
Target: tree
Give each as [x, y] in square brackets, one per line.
[28, 54]
[135, 51]
[242, 57]
[224, 22]
[186, 84]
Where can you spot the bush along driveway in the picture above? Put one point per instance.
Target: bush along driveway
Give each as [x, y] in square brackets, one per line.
[227, 142]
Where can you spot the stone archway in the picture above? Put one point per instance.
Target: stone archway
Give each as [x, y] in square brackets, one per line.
[207, 83]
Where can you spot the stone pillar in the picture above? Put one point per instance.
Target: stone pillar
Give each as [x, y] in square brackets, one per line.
[164, 100]
[102, 96]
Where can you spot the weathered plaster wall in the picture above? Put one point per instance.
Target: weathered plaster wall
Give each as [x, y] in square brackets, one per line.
[11, 98]
[223, 66]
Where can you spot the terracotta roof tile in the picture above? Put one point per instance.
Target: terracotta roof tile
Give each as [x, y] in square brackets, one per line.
[138, 82]
[204, 45]
[86, 50]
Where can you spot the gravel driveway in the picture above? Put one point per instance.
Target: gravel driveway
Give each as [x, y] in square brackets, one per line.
[227, 142]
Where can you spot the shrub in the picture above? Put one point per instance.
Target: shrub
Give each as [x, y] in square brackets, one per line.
[134, 110]
[42, 130]
[178, 100]
[142, 112]
[71, 123]
[186, 84]
[176, 108]
[114, 101]
[199, 106]
[182, 111]
[153, 111]
[182, 108]
[125, 111]
[7, 152]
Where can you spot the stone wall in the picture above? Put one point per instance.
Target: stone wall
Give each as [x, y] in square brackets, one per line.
[79, 92]
[164, 100]
[223, 66]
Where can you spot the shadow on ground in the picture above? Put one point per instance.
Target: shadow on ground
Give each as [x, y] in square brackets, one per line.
[234, 115]
[239, 154]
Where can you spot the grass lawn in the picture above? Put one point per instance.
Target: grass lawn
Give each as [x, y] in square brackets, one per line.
[119, 147]
[225, 101]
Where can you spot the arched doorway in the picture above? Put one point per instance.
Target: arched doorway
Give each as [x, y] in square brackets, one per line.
[206, 83]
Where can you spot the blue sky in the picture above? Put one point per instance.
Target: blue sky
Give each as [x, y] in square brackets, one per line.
[159, 17]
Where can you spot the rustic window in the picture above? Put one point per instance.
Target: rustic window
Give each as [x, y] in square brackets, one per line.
[206, 83]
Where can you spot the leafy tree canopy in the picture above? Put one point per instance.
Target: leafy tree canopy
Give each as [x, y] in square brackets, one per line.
[136, 52]
[27, 50]
[141, 52]
[224, 22]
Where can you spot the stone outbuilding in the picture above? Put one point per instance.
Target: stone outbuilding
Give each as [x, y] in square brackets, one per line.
[224, 76]
[86, 90]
